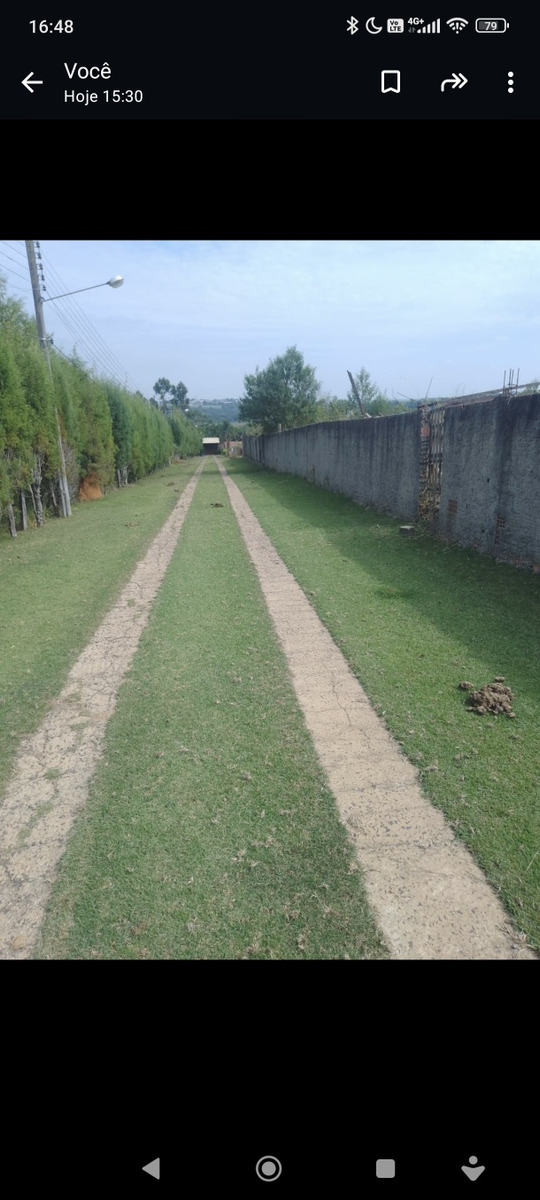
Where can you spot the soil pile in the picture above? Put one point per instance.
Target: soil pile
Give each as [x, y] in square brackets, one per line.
[493, 697]
[90, 488]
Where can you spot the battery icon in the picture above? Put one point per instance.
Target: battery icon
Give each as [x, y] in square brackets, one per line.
[491, 25]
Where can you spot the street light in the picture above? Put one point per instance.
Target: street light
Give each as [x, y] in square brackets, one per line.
[116, 281]
[39, 301]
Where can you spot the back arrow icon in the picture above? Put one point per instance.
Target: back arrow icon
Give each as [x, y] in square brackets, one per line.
[26, 82]
[456, 81]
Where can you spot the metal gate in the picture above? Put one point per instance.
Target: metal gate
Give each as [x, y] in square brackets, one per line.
[431, 453]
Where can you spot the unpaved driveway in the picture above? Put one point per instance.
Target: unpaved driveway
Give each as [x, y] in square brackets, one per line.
[430, 898]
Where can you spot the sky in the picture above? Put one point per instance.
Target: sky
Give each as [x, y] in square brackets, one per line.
[443, 318]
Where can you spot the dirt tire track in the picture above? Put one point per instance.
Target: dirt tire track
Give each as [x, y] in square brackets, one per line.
[431, 899]
[54, 766]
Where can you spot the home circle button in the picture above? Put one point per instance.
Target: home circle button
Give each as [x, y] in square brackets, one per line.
[268, 1168]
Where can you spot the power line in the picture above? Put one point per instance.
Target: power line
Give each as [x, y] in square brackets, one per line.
[108, 364]
[74, 322]
[59, 351]
[75, 333]
[11, 268]
[85, 330]
[71, 324]
[14, 248]
[96, 347]
[80, 320]
[14, 288]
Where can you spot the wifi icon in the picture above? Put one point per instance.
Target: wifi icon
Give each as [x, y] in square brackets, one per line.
[457, 24]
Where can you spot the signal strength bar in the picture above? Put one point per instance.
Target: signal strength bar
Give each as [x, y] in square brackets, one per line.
[433, 27]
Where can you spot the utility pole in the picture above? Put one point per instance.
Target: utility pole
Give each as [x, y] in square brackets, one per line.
[357, 396]
[42, 335]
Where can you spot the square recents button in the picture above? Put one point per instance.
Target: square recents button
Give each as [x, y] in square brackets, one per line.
[386, 1168]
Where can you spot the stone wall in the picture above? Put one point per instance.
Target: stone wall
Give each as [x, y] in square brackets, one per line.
[489, 488]
[490, 483]
[375, 462]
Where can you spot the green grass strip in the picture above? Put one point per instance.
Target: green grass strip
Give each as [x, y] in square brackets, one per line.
[209, 831]
[414, 617]
[57, 583]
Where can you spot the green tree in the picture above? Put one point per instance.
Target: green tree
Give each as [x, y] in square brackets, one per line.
[332, 408]
[68, 412]
[230, 429]
[118, 402]
[284, 394]
[341, 410]
[12, 314]
[161, 440]
[370, 394]
[44, 458]
[162, 387]
[187, 438]
[170, 395]
[104, 428]
[141, 440]
[96, 446]
[15, 431]
[179, 396]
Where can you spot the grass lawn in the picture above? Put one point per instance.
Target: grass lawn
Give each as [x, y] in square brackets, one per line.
[415, 617]
[57, 583]
[209, 831]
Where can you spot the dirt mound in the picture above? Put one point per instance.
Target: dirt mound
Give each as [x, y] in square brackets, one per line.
[90, 488]
[492, 697]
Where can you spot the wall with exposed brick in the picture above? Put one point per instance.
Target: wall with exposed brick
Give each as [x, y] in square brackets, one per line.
[490, 473]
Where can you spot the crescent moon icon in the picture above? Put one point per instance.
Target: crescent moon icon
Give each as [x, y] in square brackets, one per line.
[372, 27]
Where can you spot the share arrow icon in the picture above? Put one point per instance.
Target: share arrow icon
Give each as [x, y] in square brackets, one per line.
[457, 81]
[29, 81]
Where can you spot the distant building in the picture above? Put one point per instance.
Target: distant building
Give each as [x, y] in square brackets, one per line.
[211, 446]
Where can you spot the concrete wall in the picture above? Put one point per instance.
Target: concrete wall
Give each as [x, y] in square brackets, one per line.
[376, 463]
[490, 484]
[490, 481]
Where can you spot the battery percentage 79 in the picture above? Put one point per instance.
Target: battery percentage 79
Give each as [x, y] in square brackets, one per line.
[491, 25]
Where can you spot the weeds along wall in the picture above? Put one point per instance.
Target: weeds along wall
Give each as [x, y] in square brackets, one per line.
[471, 471]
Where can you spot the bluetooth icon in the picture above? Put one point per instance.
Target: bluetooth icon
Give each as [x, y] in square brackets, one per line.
[352, 25]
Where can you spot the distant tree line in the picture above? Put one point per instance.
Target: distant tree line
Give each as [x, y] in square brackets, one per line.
[107, 431]
[216, 421]
[287, 394]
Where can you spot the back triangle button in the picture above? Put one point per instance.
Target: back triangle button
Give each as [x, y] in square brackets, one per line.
[152, 1168]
